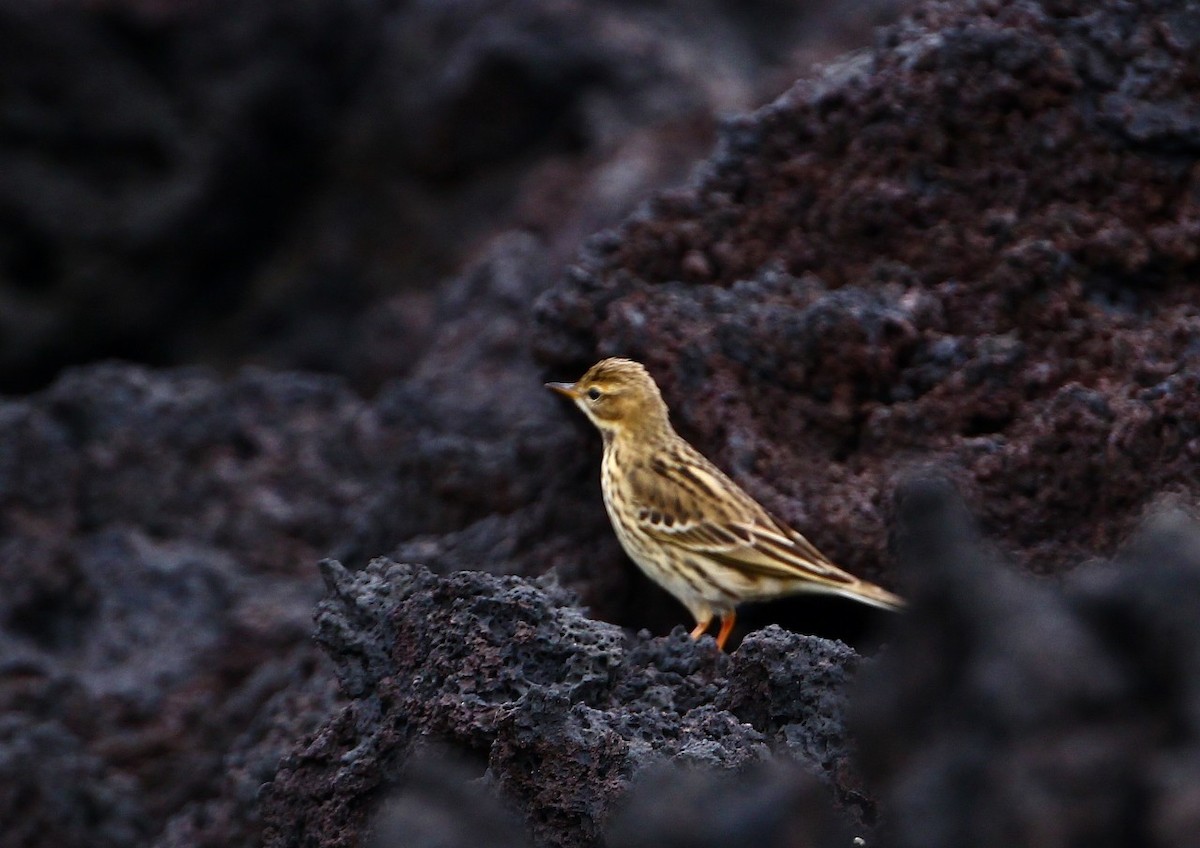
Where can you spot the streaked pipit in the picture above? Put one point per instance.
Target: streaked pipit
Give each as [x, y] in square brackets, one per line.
[688, 526]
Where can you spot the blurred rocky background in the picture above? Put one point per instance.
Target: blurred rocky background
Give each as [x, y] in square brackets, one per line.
[279, 285]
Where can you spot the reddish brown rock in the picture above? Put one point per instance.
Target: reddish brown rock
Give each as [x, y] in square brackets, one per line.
[973, 247]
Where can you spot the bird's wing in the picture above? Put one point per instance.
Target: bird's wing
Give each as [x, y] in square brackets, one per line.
[752, 549]
[693, 505]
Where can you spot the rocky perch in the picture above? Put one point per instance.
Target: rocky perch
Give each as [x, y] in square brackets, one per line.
[563, 711]
[968, 253]
[1004, 709]
[975, 247]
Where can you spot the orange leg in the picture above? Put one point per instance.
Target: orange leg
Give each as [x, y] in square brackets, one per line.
[701, 626]
[727, 620]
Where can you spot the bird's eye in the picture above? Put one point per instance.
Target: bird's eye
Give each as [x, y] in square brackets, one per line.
[593, 393]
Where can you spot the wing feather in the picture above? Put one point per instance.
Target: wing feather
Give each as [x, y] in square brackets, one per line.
[709, 514]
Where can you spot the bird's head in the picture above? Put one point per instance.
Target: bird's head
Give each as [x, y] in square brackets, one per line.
[619, 396]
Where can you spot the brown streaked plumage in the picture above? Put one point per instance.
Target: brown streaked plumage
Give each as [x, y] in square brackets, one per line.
[688, 526]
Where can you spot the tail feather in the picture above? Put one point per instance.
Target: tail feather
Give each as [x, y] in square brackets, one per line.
[876, 596]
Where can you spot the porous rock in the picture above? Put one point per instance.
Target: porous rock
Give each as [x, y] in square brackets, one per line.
[1007, 710]
[159, 532]
[288, 185]
[973, 247]
[565, 710]
[772, 803]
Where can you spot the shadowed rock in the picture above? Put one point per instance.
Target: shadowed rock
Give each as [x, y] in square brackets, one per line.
[770, 804]
[1008, 711]
[287, 185]
[566, 710]
[440, 802]
[973, 246]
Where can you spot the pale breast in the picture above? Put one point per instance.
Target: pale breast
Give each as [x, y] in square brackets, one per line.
[669, 568]
[617, 496]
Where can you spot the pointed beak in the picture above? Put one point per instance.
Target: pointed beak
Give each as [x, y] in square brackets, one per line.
[567, 389]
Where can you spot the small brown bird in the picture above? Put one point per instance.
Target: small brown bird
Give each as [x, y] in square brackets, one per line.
[689, 527]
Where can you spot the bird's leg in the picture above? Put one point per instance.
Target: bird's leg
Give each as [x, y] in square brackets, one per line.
[701, 626]
[727, 620]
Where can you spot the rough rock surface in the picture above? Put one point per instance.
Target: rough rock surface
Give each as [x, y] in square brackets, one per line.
[565, 710]
[774, 804]
[972, 247]
[1008, 711]
[158, 538]
[224, 183]
[1005, 708]
[153, 538]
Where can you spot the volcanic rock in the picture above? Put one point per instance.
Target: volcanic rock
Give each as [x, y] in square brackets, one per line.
[1007, 710]
[564, 710]
[973, 247]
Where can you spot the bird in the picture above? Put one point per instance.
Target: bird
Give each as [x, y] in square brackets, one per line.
[688, 526]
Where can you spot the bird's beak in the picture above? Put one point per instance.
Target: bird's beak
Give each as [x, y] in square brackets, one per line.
[567, 389]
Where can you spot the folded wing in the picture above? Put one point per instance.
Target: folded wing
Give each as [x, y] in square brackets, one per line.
[691, 504]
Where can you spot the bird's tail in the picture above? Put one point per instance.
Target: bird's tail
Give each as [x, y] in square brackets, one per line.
[876, 596]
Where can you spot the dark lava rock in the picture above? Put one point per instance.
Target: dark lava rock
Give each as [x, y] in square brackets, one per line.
[771, 804]
[56, 790]
[152, 155]
[1008, 711]
[974, 247]
[293, 185]
[158, 535]
[156, 612]
[285, 184]
[441, 802]
[566, 711]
